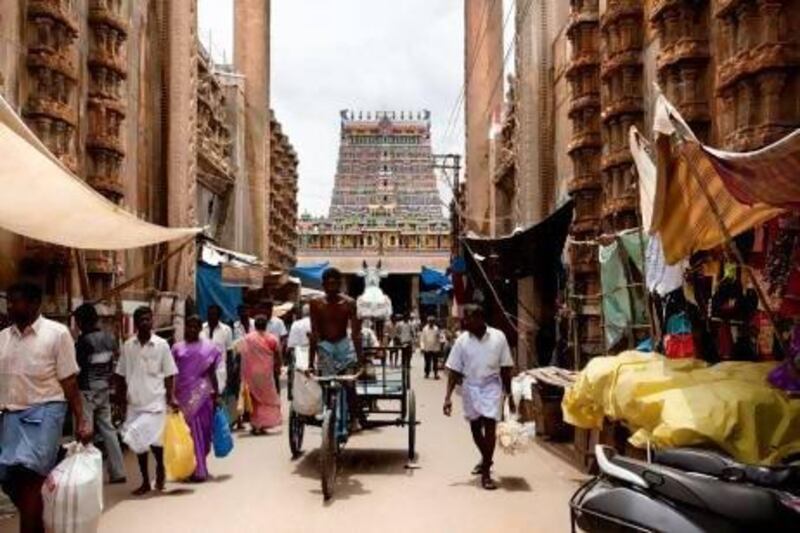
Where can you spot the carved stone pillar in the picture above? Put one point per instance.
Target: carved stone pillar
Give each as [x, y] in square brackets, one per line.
[106, 106]
[585, 150]
[758, 53]
[50, 107]
[682, 62]
[182, 60]
[621, 107]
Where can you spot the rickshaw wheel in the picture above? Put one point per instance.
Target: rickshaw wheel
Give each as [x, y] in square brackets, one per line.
[328, 455]
[412, 425]
[296, 431]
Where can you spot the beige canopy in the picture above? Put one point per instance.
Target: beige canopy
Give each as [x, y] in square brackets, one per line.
[40, 198]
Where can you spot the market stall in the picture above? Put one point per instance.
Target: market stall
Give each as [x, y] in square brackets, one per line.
[713, 276]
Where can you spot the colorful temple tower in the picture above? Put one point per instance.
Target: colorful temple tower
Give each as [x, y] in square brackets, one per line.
[385, 202]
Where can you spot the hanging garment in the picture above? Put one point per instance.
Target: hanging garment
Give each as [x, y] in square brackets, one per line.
[618, 316]
[662, 278]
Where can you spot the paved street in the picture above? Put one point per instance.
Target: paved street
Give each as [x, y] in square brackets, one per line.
[259, 487]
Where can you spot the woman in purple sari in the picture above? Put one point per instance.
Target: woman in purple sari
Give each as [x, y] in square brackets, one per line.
[196, 389]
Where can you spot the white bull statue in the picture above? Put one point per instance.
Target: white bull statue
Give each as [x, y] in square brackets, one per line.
[373, 303]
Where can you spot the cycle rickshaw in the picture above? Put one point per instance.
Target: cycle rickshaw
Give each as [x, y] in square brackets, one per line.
[384, 398]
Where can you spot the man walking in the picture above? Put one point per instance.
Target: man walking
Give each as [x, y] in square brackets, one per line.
[96, 351]
[298, 341]
[430, 342]
[405, 337]
[480, 361]
[221, 335]
[38, 378]
[277, 328]
[245, 324]
[148, 371]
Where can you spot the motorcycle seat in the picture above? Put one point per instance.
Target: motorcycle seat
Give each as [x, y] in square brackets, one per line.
[740, 502]
[720, 466]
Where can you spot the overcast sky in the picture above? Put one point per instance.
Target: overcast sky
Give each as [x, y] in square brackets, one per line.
[329, 55]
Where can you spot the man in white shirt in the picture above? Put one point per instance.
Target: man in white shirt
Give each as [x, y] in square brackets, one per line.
[480, 361]
[148, 374]
[430, 342]
[38, 380]
[221, 335]
[298, 339]
[245, 324]
[276, 327]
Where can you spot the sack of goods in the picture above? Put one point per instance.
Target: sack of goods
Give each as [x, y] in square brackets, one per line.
[221, 436]
[306, 395]
[73, 492]
[514, 437]
[179, 459]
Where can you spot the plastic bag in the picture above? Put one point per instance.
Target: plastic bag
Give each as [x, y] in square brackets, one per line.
[245, 403]
[514, 437]
[73, 492]
[179, 459]
[306, 395]
[221, 437]
[142, 431]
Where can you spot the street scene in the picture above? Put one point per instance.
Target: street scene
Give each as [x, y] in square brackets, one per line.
[434, 265]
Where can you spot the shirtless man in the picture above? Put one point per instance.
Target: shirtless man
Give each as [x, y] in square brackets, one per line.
[338, 354]
[330, 317]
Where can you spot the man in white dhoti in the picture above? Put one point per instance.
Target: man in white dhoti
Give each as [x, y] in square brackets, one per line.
[148, 373]
[480, 361]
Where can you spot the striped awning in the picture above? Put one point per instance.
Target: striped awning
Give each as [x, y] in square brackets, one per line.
[693, 197]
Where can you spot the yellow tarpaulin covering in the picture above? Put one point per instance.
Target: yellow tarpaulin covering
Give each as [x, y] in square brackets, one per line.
[43, 200]
[688, 403]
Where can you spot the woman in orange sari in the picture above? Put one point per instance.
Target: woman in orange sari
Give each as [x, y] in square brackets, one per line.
[260, 352]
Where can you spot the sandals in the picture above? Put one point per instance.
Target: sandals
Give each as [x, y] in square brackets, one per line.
[478, 470]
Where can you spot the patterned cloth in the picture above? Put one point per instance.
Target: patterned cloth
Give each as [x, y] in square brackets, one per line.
[194, 391]
[258, 374]
[690, 173]
[768, 175]
[335, 357]
[30, 438]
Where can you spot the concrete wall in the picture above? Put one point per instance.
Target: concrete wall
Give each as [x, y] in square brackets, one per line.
[483, 64]
[252, 60]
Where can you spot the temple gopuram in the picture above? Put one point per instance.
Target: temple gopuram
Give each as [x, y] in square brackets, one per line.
[385, 205]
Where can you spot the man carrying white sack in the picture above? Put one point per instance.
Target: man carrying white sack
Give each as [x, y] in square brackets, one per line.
[480, 361]
[147, 372]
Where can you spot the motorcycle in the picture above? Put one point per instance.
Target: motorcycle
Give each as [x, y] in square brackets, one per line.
[719, 466]
[633, 495]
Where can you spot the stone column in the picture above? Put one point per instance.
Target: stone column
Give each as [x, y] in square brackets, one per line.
[181, 141]
[251, 58]
[483, 71]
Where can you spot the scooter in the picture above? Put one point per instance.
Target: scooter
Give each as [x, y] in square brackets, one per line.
[633, 495]
[710, 463]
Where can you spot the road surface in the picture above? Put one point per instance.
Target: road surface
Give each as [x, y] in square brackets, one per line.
[259, 488]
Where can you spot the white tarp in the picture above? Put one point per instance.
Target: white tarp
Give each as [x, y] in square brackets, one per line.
[43, 200]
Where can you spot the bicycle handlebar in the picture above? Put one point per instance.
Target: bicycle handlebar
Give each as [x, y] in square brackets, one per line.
[342, 378]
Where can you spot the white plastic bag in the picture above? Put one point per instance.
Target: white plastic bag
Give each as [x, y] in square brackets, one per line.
[514, 437]
[306, 395]
[73, 492]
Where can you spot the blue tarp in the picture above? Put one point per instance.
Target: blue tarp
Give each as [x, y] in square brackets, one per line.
[210, 290]
[310, 275]
[433, 298]
[434, 279]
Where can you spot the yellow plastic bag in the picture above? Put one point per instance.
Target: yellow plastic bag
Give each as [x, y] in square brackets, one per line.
[179, 459]
[245, 403]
